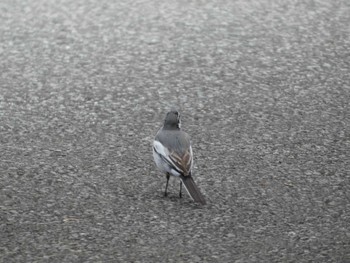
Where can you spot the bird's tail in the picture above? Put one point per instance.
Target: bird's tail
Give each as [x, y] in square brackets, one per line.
[193, 189]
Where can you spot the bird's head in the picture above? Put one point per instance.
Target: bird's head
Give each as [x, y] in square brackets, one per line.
[172, 120]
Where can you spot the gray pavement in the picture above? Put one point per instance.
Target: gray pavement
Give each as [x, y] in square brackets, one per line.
[263, 87]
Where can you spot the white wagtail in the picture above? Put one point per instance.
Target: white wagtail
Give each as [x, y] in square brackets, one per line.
[172, 153]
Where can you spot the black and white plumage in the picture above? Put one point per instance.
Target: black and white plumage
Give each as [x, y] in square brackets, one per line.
[172, 153]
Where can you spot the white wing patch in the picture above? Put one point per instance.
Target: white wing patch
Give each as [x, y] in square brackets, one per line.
[191, 160]
[160, 148]
[162, 160]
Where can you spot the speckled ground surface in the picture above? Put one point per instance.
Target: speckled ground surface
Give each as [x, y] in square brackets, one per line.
[263, 87]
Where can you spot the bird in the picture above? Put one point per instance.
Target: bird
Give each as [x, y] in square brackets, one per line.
[172, 153]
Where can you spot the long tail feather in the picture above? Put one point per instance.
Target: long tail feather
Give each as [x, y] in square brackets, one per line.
[193, 189]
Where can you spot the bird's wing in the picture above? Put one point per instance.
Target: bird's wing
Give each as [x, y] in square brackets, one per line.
[183, 161]
[164, 155]
[176, 151]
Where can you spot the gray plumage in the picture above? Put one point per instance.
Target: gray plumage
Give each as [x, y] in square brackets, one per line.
[172, 153]
[178, 141]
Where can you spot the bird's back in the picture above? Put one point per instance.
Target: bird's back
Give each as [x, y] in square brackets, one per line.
[176, 140]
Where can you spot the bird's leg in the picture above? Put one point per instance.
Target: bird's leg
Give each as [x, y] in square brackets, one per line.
[166, 186]
[180, 189]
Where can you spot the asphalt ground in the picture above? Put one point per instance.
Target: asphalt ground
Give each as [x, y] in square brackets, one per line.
[263, 87]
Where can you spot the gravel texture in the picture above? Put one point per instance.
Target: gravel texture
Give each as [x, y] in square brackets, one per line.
[263, 87]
